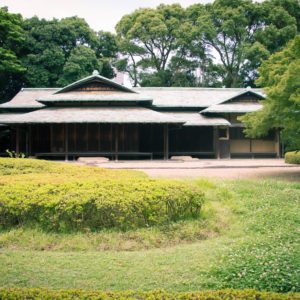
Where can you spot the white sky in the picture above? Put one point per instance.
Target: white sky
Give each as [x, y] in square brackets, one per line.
[101, 15]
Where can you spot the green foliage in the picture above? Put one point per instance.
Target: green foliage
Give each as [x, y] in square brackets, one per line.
[13, 154]
[97, 203]
[109, 204]
[148, 37]
[81, 63]
[292, 157]
[11, 39]
[57, 52]
[241, 34]
[280, 76]
[14, 293]
[267, 258]
[258, 240]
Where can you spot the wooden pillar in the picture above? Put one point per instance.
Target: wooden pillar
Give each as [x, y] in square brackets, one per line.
[116, 141]
[51, 138]
[250, 149]
[277, 143]
[29, 140]
[17, 139]
[216, 143]
[66, 142]
[166, 141]
[99, 138]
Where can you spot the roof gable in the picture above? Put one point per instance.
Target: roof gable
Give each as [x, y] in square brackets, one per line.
[244, 96]
[95, 83]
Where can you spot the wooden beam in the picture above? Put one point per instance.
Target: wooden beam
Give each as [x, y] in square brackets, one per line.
[116, 142]
[51, 138]
[166, 141]
[18, 139]
[29, 140]
[216, 143]
[66, 142]
[99, 138]
[277, 143]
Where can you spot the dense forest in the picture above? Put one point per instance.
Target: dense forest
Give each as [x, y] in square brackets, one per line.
[212, 45]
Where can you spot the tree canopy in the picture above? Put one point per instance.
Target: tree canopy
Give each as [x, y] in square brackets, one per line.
[222, 43]
[280, 77]
[226, 40]
[11, 38]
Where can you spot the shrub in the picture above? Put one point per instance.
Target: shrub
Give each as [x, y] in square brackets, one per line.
[122, 204]
[17, 167]
[292, 157]
[64, 197]
[26, 293]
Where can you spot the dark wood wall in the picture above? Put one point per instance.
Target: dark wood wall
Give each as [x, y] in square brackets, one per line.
[94, 138]
[191, 139]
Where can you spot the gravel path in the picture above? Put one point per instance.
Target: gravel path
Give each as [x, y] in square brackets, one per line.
[224, 169]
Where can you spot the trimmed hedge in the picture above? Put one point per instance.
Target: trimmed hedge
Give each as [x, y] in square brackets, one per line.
[122, 204]
[25, 166]
[292, 157]
[45, 294]
[67, 197]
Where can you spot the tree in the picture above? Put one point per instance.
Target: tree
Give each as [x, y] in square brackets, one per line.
[280, 77]
[11, 38]
[149, 37]
[49, 46]
[81, 63]
[107, 52]
[242, 34]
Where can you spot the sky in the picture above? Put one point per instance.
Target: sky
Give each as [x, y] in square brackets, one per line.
[100, 15]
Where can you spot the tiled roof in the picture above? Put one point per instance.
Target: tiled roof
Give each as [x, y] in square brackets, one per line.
[233, 108]
[165, 97]
[162, 97]
[91, 115]
[196, 119]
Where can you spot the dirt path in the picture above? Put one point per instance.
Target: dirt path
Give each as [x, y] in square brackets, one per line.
[211, 168]
[280, 173]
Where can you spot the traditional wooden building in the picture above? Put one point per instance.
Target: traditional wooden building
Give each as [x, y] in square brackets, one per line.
[96, 116]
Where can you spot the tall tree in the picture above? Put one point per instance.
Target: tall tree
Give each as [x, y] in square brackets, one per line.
[81, 63]
[280, 77]
[11, 38]
[149, 37]
[242, 34]
[49, 45]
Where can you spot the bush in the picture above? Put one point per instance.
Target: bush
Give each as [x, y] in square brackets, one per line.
[292, 157]
[63, 197]
[25, 293]
[123, 204]
[25, 166]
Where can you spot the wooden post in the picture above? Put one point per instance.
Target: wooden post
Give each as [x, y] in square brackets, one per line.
[250, 145]
[27, 141]
[278, 143]
[66, 142]
[116, 141]
[17, 139]
[216, 143]
[166, 141]
[99, 137]
[51, 138]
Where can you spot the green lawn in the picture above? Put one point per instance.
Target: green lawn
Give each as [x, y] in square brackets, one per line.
[248, 238]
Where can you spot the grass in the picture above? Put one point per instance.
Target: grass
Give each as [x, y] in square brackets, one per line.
[248, 237]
